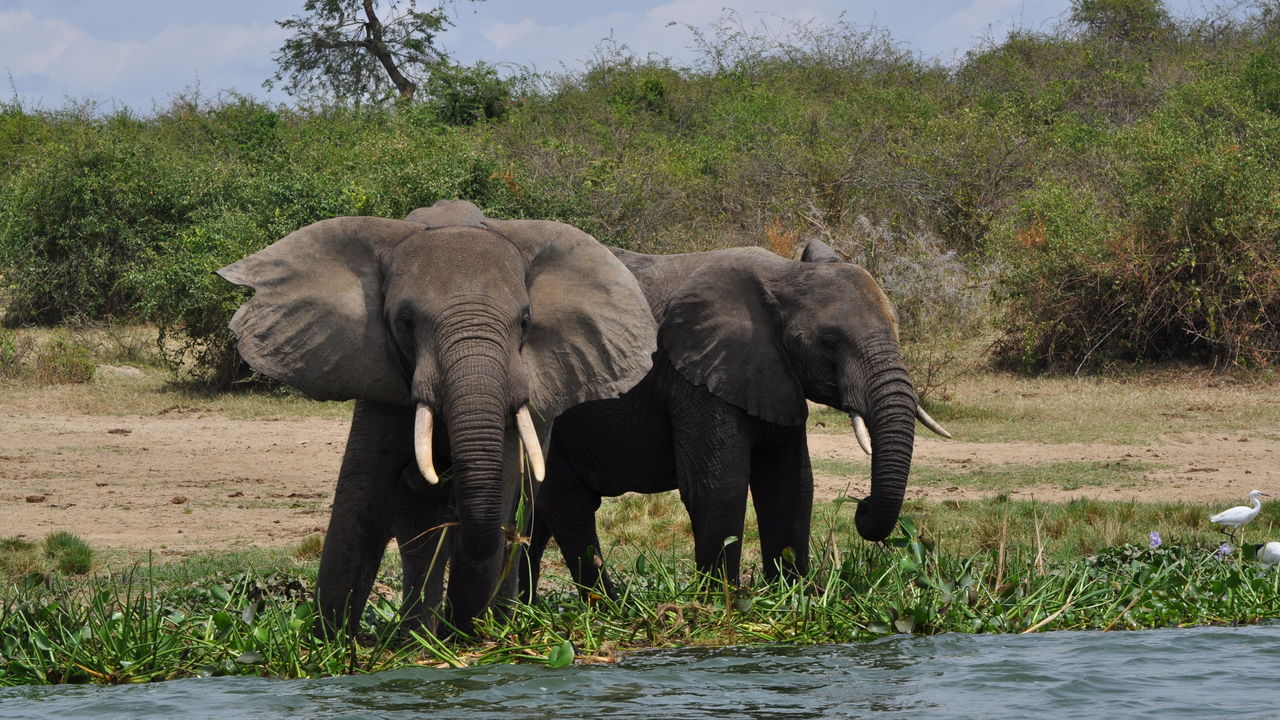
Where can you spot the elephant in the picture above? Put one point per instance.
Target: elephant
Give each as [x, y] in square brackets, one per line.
[449, 321]
[744, 339]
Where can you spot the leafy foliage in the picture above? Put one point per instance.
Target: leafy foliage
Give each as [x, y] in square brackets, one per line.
[1108, 186]
[1123, 21]
[136, 626]
[1170, 253]
[351, 51]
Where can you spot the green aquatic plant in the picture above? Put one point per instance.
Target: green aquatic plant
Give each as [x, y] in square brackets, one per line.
[154, 623]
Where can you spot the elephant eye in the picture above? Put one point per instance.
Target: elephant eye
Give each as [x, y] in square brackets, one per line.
[524, 324]
[829, 340]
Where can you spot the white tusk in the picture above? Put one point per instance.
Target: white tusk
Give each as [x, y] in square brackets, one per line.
[529, 436]
[931, 423]
[422, 426]
[860, 431]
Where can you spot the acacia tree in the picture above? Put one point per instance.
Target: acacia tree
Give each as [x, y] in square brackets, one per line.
[344, 50]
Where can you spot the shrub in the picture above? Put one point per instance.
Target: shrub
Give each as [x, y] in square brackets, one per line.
[1173, 254]
[14, 350]
[61, 360]
[75, 218]
[461, 95]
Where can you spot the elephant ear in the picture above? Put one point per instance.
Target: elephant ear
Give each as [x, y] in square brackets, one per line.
[592, 335]
[315, 320]
[817, 251]
[448, 213]
[721, 328]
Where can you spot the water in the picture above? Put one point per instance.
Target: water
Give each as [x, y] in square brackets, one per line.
[1193, 673]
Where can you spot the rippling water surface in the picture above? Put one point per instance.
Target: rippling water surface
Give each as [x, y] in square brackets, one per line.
[1192, 673]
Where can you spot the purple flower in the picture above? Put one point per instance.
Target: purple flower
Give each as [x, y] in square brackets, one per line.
[1222, 551]
[1153, 539]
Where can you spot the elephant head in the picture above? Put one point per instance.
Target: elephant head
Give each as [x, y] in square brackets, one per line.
[765, 334]
[470, 320]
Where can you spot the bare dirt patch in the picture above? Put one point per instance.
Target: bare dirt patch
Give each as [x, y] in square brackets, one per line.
[175, 483]
[185, 479]
[1188, 467]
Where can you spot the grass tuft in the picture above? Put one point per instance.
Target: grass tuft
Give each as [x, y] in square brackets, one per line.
[310, 548]
[69, 554]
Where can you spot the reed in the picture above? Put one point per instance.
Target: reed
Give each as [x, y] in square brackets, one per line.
[141, 625]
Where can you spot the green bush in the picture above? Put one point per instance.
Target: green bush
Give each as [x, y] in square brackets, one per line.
[60, 360]
[461, 95]
[78, 214]
[1173, 254]
[1121, 168]
[14, 349]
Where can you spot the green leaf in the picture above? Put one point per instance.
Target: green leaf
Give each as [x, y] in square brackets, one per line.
[41, 640]
[908, 526]
[249, 613]
[560, 655]
[730, 540]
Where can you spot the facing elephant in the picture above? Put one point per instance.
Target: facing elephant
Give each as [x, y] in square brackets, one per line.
[744, 339]
[447, 330]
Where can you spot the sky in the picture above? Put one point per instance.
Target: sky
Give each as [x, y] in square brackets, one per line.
[142, 53]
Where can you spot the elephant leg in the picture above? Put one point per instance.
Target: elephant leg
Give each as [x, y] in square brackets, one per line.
[531, 559]
[782, 492]
[567, 509]
[713, 463]
[364, 507]
[423, 532]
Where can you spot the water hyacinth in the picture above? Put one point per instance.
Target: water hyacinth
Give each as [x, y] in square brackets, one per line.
[1223, 550]
[1153, 539]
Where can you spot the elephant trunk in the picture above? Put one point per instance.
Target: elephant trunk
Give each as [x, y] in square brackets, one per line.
[892, 413]
[476, 410]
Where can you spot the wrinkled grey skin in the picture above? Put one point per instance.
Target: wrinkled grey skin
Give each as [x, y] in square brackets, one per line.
[744, 338]
[469, 316]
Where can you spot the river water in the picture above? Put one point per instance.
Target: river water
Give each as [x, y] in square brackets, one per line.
[1191, 673]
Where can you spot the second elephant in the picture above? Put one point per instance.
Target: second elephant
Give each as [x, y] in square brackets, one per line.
[744, 338]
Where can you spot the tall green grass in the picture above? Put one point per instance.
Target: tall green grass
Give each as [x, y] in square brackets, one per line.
[143, 623]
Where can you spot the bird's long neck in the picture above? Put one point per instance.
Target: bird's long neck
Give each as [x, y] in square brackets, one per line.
[1257, 504]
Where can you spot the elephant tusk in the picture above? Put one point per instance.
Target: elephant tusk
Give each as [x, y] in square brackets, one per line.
[422, 427]
[529, 436]
[931, 423]
[860, 431]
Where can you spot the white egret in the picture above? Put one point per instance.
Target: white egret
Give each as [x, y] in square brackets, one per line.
[1238, 515]
[1269, 554]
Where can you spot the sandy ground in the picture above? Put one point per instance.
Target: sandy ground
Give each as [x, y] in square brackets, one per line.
[183, 481]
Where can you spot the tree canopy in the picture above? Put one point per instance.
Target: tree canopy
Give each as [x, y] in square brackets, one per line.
[360, 51]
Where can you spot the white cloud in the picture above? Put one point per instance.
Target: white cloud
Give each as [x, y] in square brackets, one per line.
[662, 29]
[959, 30]
[30, 44]
[50, 54]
